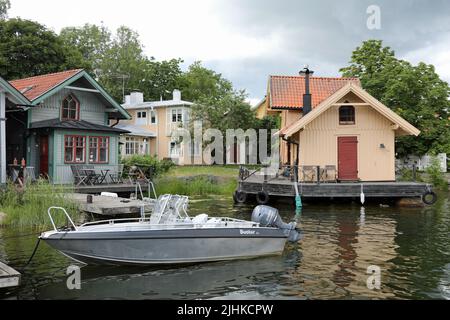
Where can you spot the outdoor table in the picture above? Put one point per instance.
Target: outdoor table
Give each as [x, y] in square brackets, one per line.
[91, 176]
[103, 175]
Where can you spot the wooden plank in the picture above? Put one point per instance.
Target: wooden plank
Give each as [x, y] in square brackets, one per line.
[108, 206]
[115, 188]
[8, 276]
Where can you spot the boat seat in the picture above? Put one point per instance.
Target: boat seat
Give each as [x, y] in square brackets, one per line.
[200, 219]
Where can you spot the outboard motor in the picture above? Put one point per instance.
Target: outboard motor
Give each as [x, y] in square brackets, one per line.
[269, 217]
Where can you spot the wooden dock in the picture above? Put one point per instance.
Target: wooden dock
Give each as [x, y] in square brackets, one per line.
[108, 206]
[126, 187]
[8, 276]
[284, 187]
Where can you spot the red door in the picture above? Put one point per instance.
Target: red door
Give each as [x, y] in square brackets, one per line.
[43, 155]
[348, 158]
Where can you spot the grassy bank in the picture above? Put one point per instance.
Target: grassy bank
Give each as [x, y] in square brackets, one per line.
[27, 207]
[199, 181]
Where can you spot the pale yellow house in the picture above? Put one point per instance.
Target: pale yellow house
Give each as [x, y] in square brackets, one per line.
[152, 125]
[339, 126]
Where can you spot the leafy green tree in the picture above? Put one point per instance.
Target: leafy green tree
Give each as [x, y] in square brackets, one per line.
[161, 78]
[92, 41]
[414, 92]
[199, 83]
[28, 49]
[5, 5]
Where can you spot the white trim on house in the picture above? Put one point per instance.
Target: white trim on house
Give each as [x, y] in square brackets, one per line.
[2, 137]
[404, 125]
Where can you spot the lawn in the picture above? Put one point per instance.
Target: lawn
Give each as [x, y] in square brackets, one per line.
[217, 171]
[199, 180]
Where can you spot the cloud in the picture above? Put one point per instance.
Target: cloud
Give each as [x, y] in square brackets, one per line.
[247, 40]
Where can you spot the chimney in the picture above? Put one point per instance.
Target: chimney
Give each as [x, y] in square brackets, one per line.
[127, 100]
[307, 101]
[176, 95]
[136, 97]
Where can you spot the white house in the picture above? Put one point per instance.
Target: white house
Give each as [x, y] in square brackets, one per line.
[11, 100]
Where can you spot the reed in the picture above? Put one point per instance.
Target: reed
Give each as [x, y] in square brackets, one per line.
[27, 206]
[196, 186]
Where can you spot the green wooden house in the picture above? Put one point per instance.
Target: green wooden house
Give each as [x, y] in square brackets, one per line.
[67, 123]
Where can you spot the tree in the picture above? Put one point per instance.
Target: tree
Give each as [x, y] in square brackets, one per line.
[5, 5]
[28, 49]
[161, 78]
[414, 92]
[199, 83]
[93, 42]
[120, 63]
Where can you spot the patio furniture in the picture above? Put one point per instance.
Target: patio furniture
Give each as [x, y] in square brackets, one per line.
[79, 175]
[14, 173]
[29, 174]
[309, 173]
[92, 176]
[117, 177]
[103, 175]
[330, 174]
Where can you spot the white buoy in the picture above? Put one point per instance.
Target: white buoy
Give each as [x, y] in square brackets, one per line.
[362, 196]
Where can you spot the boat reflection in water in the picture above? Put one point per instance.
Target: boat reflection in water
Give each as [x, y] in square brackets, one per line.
[248, 279]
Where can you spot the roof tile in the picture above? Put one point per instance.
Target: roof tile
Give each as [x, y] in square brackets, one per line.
[34, 87]
[288, 91]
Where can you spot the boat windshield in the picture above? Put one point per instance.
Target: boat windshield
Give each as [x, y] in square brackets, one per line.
[170, 209]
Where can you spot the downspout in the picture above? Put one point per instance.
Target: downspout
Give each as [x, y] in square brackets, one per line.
[116, 123]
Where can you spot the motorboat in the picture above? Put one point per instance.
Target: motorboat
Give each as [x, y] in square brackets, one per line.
[171, 236]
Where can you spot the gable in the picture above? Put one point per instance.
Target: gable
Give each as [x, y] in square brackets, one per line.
[40, 88]
[12, 93]
[400, 125]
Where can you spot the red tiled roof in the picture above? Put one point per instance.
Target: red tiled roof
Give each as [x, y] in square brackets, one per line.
[288, 91]
[34, 87]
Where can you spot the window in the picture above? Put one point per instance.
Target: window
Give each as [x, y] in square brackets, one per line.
[141, 118]
[98, 149]
[153, 117]
[347, 115]
[136, 146]
[177, 115]
[70, 109]
[174, 150]
[74, 149]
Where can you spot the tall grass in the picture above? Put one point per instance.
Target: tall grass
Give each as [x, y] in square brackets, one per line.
[27, 207]
[197, 186]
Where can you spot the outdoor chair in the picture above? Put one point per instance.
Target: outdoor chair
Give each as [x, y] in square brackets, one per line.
[93, 176]
[29, 174]
[309, 173]
[117, 177]
[79, 175]
[330, 174]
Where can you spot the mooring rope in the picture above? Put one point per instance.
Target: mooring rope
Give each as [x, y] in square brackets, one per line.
[32, 255]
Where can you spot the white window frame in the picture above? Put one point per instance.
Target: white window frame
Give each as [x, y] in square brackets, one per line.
[141, 120]
[153, 112]
[177, 112]
[136, 146]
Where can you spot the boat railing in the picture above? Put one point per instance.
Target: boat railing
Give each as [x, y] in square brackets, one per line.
[179, 223]
[49, 212]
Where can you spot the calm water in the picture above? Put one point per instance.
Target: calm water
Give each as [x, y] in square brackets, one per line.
[411, 246]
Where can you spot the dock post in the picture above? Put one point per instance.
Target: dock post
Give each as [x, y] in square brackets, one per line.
[318, 174]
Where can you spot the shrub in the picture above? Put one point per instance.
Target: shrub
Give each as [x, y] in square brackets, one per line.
[151, 165]
[435, 175]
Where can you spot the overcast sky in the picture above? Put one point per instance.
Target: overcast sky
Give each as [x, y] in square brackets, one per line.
[247, 41]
